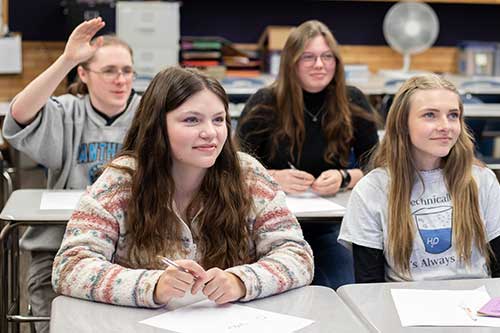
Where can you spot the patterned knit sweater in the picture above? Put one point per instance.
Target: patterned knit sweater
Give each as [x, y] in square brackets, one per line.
[88, 263]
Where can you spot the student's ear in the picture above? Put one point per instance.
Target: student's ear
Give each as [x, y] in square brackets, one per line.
[82, 74]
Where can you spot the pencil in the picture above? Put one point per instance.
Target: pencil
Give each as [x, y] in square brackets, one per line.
[292, 166]
[170, 262]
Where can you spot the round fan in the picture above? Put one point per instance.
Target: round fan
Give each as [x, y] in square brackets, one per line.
[410, 28]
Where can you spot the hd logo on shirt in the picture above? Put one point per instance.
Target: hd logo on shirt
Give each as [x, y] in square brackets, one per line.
[434, 227]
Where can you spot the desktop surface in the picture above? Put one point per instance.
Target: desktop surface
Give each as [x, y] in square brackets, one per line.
[335, 216]
[24, 205]
[373, 303]
[320, 304]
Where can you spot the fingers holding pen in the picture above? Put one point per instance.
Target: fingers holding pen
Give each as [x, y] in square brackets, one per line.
[293, 181]
[175, 282]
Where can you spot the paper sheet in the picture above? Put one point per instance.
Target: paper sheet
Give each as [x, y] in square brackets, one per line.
[441, 307]
[309, 202]
[60, 200]
[207, 317]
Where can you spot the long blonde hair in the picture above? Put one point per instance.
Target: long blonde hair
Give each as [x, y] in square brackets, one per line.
[394, 154]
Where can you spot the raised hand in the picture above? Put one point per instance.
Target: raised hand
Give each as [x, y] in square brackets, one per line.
[78, 47]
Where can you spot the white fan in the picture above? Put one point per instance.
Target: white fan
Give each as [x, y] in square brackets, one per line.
[410, 28]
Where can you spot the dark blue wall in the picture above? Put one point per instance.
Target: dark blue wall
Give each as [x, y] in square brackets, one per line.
[352, 22]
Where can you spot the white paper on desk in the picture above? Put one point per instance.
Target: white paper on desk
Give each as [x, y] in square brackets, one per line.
[60, 200]
[418, 307]
[310, 202]
[208, 317]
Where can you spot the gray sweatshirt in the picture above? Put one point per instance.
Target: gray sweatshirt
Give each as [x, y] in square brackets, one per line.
[72, 141]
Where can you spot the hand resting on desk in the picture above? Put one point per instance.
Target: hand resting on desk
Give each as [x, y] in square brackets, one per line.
[219, 286]
[293, 181]
[327, 183]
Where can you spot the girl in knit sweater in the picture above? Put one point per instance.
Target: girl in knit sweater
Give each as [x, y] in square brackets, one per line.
[179, 189]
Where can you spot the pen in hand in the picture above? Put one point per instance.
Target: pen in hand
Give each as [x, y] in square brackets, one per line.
[172, 263]
[292, 166]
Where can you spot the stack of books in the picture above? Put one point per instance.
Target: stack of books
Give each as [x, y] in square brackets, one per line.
[219, 57]
[242, 60]
[204, 53]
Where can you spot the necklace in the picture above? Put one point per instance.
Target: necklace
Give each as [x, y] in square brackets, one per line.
[313, 116]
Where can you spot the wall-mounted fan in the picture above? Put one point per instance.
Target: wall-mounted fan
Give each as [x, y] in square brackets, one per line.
[410, 28]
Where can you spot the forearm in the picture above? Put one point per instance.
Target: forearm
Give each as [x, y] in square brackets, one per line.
[285, 260]
[356, 175]
[287, 267]
[32, 98]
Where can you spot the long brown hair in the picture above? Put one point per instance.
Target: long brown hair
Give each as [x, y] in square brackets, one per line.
[394, 154]
[152, 226]
[337, 122]
[79, 87]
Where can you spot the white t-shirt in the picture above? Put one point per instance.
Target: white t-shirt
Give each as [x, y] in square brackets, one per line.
[433, 256]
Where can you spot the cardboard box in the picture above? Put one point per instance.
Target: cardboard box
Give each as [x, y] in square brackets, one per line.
[274, 37]
[271, 42]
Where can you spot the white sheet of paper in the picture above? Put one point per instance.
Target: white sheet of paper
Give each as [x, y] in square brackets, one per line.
[11, 54]
[417, 307]
[310, 202]
[208, 317]
[59, 200]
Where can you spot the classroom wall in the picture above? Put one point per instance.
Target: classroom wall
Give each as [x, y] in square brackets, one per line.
[352, 22]
[37, 56]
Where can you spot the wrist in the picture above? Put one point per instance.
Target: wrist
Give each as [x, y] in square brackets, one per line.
[67, 62]
[346, 178]
[242, 289]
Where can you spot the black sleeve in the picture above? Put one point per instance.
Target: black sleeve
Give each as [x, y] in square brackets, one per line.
[255, 124]
[365, 128]
[495, 258]
[369, 264]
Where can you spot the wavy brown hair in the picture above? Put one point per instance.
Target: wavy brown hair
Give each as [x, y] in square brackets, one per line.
[394, 154]
[337, 121]
[79, 87]
[152, 226]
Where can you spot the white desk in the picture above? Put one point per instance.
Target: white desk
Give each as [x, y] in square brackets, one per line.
[22, 208]
[475, 84]
[373, 303]
[486, 110]
[320, 304]
[378, 84]
[340, 198]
